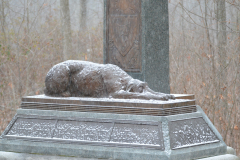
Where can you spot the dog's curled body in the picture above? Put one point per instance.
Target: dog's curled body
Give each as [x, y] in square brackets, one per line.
[87, 79]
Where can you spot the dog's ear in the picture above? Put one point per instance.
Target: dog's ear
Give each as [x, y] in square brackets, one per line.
[141, 87]
[136, 86]
[130, 87]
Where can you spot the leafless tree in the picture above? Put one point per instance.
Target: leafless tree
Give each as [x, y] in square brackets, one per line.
[66, 29]
[2, 8]
[83, 14]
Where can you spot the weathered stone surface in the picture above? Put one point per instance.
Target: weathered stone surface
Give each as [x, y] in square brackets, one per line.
[26, 156]
[190, 132]
[136, 38]
[107, 135]
[222, 157]
[230, 150]
[138, 134]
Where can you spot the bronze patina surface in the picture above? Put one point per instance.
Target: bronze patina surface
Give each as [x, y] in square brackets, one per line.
[110, 105]
[74, 78]
[124, 34]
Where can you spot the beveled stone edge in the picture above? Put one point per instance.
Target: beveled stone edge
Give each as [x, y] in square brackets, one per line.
[86, 101]
[184, 96]
[110, 109]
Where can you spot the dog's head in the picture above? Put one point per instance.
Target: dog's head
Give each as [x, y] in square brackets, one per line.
[136, 86]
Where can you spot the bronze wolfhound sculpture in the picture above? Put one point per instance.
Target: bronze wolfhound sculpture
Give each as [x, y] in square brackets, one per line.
[86, 79]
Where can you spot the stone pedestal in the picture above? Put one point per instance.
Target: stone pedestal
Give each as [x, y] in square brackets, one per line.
[136, 38]
[112, 128]
[24, 156]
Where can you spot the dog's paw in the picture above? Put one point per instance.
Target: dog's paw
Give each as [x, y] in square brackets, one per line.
[166, 97]
[66, 94]
[170, 96]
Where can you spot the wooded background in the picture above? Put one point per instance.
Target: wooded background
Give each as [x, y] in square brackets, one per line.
[204, 51]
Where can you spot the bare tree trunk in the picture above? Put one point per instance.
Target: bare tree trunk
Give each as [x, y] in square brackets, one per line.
[222, 42]
[210, 44]
[3, 22]
[236, 121]
[26, 9]
[27, 18]
[184, 45]
[66, 29]
[83, 14]
[214, 97]
[82, 26]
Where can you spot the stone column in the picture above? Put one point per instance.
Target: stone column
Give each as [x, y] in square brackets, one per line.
[136, 38]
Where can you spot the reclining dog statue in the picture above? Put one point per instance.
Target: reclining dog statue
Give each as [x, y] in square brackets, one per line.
[74, 78]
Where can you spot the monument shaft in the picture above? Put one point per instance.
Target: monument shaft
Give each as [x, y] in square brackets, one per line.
[136, 38]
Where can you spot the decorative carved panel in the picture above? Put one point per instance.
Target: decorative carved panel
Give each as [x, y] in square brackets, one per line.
[137, 134]
[123, 39]
[190, 132]
[103, 132]
[33, 128]
[86, 131]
